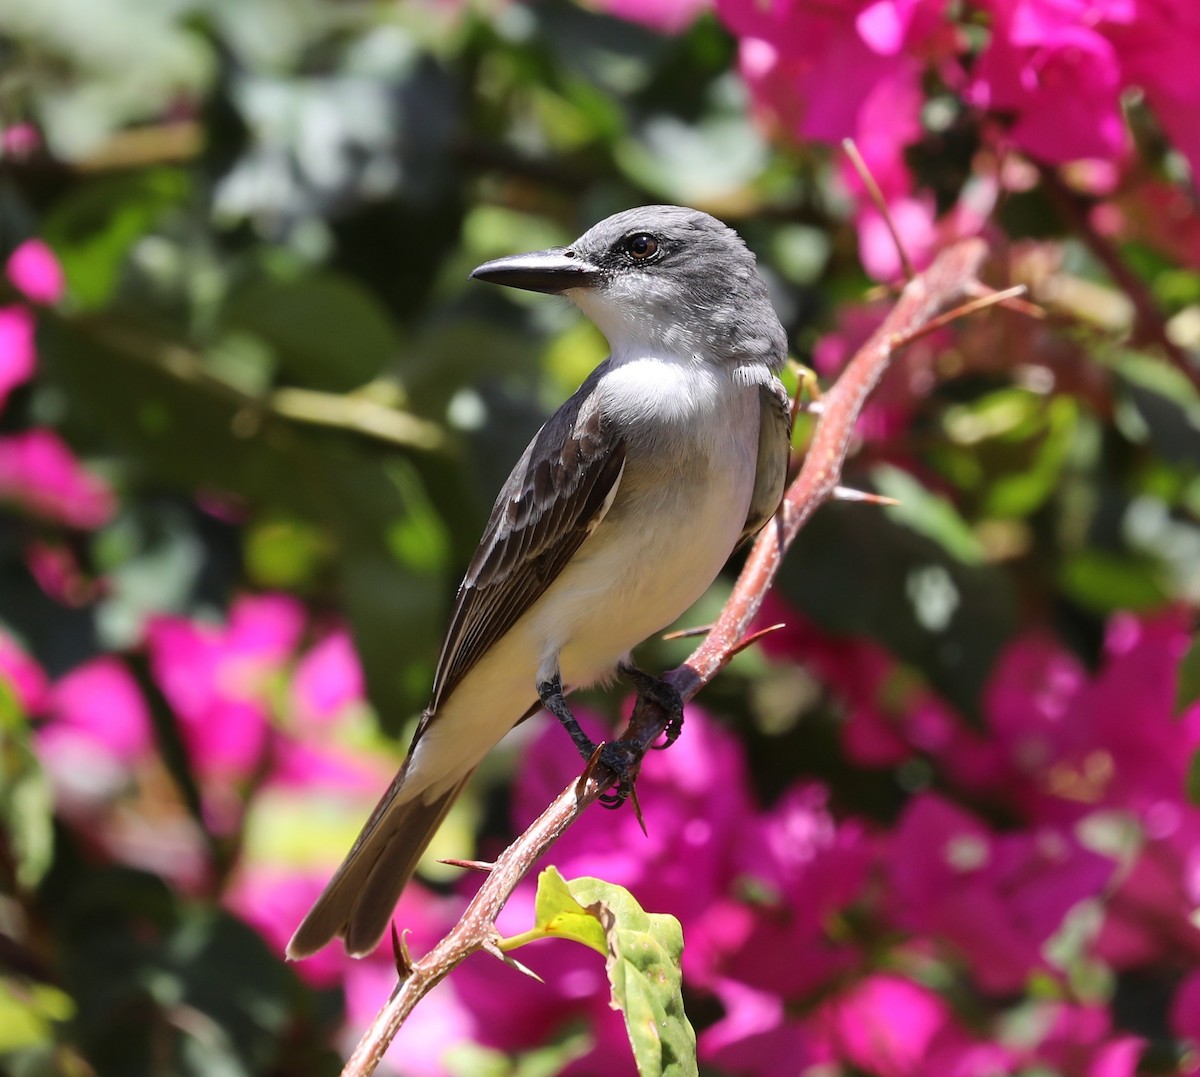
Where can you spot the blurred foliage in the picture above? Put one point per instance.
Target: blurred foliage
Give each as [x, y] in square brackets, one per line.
[266, 211]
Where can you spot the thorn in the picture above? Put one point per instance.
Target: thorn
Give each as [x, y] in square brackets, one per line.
[754, 637]
[846, 493]
[978, 290]
[470, 865]
[637, 809]
[490, 947]
[860, 166]
[688, 633]
[400, 954]
[981, 302]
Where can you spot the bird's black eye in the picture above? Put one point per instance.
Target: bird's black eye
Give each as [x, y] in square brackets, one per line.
[641, 246]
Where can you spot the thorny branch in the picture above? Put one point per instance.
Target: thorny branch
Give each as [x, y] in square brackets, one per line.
[950, 281]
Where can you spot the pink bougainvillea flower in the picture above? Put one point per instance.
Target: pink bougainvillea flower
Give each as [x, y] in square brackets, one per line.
[97, 730]
[299, 764]
[1059, 79]
[1157, 42]
[219, 679]
[34, 269]
[796, 871]
[757, 1035]
[100, 701]
[19, 140]
[18, 360]
[668, 16]
[1111, 740]
[39, 472]
[22, 676]
[328, 679]
[949, 873]
[1185, 1009]
[1079, 1039]
[884, 1025]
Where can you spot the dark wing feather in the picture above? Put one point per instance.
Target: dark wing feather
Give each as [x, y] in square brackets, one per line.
[554, 498]
[774, 451]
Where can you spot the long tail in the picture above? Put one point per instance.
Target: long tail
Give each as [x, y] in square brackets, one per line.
[359, 900]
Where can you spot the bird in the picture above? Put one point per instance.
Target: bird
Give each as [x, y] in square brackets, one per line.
[617, 517]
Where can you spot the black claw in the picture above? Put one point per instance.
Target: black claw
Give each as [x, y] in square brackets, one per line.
[623, 763]
[663, 695]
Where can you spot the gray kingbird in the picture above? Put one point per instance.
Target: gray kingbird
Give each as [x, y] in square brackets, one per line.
[616, 519]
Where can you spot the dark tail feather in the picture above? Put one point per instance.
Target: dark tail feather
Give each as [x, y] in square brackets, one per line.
[361, 897]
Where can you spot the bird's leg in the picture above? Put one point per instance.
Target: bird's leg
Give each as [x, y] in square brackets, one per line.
[662, 694]
[551, 694]
[611, 755]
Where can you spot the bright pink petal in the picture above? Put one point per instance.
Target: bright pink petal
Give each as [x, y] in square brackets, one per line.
[667, 16]
[39, 472]
[35, 270]
[101, 700]
[328, 679]
[18, 359]
[885, 1025]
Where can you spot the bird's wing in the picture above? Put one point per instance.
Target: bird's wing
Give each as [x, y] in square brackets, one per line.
[774, 450]
[555, 497]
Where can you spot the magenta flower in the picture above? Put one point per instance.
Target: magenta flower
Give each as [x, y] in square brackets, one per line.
[39, 472]
[100, 703]
[18, 359]
[884, 1025]
[220, 680]
[34, 269]
[19, 140]
[667, 16]
[1185, 1010]
[327, 680]
[797, 871]
[1157, 41]
[1049, 67]
[97, 730]
[949, 873]
[1079, 1040]
[757, 1036]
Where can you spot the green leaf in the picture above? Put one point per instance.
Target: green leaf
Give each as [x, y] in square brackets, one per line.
[326, 330]
[94, 227]
[28, 1013]
[1189, 677]
[927, 513]
[1193, 780]
[642, 955]
[1105, 581]
[26, 804]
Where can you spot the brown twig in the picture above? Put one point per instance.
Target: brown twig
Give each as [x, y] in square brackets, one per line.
[950, 279]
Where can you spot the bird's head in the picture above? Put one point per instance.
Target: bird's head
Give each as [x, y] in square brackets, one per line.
[663, 278]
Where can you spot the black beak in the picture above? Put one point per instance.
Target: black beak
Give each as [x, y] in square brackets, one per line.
[552, 271]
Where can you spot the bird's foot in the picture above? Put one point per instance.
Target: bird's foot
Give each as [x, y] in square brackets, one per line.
[551, 694]
[663, 695]
[621, 759]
